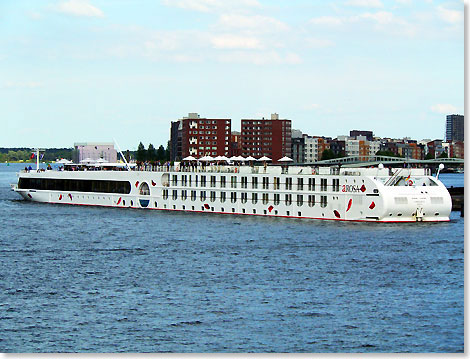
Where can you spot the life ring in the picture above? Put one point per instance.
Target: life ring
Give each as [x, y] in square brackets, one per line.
[313, 171]
[410, 183]
[236, 169]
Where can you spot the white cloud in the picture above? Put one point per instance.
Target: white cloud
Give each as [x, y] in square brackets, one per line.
[365, 3]
[229, 41]
[327, 20]
[260, 58]
[450, 16]
[79, 8]
[212, 5]
[381, 17]
[443, 108]
[254, 22]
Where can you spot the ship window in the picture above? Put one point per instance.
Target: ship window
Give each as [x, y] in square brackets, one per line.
[193, 196]
[300, 184]
[277, 182]
[300, 200]
[311, 200]
[311, 184]
[277, 198]
[254, 198]
[99, 186]
[203, 181]
[233, 180]
[323, 184]
[244, 181]
[222, 196]
[401, 200]
[233, 197]
[288, 183]
[165, 194]
[212, 181]
[212, 196]
[265, 198]
[184, 194]
[175, 194]
[174, 180]
[144, 189]
[335, 184]
[254, 211]
[254, 182]
[244, 196]
[222, 181]
[265, 182]
[288, 199]
[203, 195]
[184, 180]
[323, 201]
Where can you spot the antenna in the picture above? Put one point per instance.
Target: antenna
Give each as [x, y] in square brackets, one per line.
[120, 152]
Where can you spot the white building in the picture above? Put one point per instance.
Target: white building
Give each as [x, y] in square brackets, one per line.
[95, 151]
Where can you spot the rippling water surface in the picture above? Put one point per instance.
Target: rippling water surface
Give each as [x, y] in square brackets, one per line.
[84, 279]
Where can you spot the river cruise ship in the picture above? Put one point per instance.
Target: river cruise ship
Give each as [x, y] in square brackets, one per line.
[331, 193]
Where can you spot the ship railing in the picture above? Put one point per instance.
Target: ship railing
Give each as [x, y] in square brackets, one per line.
[393, 180]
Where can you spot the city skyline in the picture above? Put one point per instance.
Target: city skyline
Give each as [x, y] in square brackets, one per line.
[96, 70]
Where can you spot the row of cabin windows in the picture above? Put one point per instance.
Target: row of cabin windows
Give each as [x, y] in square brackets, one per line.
[244, 197]
[201, 181]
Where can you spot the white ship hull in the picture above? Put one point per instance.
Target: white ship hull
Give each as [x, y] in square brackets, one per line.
[327, 193]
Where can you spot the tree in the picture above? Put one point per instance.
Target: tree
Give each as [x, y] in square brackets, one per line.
[161, 153]
[151, 153]
[327, 155]
[443, 155]
[429, 156]
[167, 151]
[141, 155]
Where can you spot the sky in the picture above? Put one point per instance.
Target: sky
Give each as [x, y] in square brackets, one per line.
[98, 70]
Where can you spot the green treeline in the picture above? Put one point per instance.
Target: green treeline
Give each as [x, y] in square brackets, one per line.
[24, 154]
[151, 154]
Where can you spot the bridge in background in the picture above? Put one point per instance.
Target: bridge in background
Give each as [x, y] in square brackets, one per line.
[367, 161]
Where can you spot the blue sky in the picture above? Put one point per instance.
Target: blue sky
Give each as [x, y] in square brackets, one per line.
[94, 70]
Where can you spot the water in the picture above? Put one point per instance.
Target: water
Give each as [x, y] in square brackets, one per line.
[84, 279]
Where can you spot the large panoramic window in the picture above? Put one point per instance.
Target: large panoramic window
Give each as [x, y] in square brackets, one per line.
[72, 185]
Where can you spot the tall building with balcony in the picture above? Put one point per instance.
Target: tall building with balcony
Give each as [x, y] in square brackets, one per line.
[454, 128]
[263, 137]
[201, 137]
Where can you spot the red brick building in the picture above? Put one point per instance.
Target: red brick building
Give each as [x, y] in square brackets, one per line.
[271, 138]
[203, 136]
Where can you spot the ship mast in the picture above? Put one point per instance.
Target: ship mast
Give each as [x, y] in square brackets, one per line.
[120, 152]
